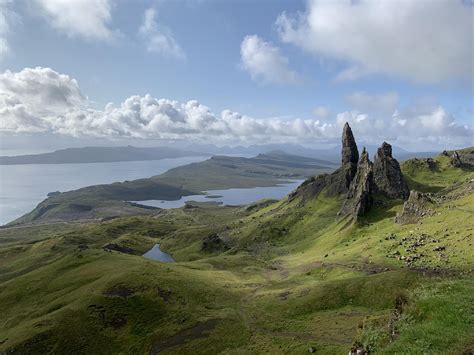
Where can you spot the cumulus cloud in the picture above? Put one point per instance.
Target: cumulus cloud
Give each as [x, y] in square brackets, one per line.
[265, 62]
[43, 90]
[159, 38]
[88, 19]
[423, 41]
[42, 100]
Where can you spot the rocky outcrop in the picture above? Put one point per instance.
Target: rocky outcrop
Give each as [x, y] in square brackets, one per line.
[416, 207]
[455, 160]
[358, 180]
[213, 243]
[359, 197]
[350, 155]
[388, 176]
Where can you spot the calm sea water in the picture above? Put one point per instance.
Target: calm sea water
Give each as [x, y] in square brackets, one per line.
[22, 187]
[241, 196]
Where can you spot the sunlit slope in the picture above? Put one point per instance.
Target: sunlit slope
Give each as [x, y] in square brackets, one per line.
[293, 275]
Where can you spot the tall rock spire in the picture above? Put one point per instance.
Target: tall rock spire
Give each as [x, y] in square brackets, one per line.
[350, 155]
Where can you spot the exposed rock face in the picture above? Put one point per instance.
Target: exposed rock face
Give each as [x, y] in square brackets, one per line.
[350, 154]
[416, 207]
[359, 197]
[359, 180]
[213, 243]
[387, 174]
[455, 160]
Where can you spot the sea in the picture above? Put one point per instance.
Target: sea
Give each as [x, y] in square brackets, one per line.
[22, 187]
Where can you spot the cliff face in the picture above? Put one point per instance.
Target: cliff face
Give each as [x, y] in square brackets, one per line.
[387, 174]
[359, 197]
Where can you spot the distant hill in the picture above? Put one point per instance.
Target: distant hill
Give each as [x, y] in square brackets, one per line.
[332, 153]
[219, 172]
[98, 155]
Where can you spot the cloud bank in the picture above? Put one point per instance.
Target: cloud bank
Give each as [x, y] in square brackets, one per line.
[265, 63]
[423, 41]
[42, 100]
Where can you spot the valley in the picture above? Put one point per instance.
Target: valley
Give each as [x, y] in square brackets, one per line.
[346, 261]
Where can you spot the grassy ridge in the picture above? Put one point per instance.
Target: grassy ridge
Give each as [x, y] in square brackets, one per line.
[294, 276]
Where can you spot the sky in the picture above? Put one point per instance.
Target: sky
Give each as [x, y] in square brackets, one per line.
[80, 72]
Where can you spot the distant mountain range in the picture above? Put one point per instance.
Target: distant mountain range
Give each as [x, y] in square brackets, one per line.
[130, 153]
[99, 155]
[332, 154]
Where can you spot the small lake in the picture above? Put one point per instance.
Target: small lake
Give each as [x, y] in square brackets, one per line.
[22, 187]
[241, 196]
[156, 254]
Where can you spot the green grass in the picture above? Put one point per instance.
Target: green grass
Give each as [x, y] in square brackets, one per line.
[295, 275]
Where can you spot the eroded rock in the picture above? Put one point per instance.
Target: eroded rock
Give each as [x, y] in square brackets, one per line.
[416, 207]
[388, 176]
[350, 155]
[359, 198]
[455, 160]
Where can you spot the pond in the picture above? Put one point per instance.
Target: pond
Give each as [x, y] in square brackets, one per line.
[156, 254]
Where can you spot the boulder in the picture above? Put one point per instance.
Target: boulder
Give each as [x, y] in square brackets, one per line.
[388, 176]
[416, 207]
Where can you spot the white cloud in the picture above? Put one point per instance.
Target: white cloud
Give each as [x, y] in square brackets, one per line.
[379, 103]
[265, 62]
[42, 100]
[423, 41]
[42, 90]
[322, 112]
[88, 19]
[159, 38]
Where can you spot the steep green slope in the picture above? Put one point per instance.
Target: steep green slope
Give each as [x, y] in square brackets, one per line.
[293, 275]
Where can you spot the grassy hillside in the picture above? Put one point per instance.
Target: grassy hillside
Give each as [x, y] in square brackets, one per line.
[292, 276]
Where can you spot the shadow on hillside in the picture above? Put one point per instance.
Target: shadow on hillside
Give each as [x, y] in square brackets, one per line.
[415, 185]
[382, 209]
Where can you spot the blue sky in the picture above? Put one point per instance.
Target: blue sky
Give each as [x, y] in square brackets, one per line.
[287, 70]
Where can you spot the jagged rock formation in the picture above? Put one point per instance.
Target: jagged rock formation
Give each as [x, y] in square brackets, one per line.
[339, 181]
[350, 155]
[416, 207]
[462, 158]
[455, 160]
[358, 180]
[359, 197]
[387, 174]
